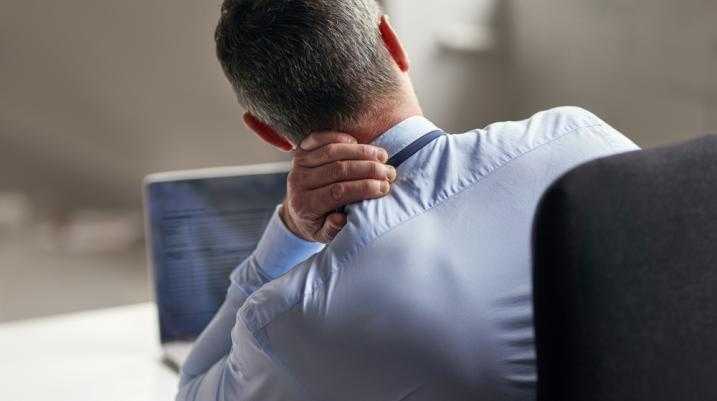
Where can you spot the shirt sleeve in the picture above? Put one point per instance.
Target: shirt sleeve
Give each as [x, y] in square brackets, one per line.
[277, 252]
[279, 249]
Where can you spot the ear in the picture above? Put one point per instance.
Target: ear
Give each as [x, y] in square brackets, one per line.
[267, 133]
[393, 44]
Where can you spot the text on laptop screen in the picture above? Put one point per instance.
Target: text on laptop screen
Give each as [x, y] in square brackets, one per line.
[201, 230]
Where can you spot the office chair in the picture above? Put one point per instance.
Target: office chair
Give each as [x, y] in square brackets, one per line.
[625, 278]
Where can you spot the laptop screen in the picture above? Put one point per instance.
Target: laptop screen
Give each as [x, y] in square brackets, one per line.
[200, 230]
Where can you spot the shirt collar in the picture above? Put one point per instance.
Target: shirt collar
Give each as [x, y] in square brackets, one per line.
[403, 134]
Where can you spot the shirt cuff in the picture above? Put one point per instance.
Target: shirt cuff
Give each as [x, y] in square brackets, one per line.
[279, 250]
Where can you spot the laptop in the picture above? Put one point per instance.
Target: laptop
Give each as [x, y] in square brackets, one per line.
[200, 225]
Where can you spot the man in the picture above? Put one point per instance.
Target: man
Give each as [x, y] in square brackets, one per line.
[425, 293]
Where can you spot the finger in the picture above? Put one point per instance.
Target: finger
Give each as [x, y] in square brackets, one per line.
[319, 139]
[351, 170]
[334, 196]
[340, 151]
[333, 224]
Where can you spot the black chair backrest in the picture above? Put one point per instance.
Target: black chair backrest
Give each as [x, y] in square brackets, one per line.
[625, 278]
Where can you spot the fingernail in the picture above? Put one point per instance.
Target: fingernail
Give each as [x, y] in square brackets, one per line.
[383, 156]
[385, 187]
[305, 144]
[392, 174]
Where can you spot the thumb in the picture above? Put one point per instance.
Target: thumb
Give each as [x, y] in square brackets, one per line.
[331, 228]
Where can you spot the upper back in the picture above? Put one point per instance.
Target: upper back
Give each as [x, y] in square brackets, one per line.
[492, 176]
[427, 291]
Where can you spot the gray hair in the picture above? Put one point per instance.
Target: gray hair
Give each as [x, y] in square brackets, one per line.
[304, 66]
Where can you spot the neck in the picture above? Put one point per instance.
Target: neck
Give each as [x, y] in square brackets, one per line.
[377, 122]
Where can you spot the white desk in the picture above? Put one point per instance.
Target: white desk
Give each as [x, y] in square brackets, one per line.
[107, 355]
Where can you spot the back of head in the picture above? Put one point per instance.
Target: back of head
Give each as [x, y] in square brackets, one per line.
[305, 65]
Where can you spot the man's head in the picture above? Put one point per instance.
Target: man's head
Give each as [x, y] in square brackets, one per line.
[302, 66]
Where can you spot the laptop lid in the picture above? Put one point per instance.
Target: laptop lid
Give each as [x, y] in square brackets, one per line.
[200, 226]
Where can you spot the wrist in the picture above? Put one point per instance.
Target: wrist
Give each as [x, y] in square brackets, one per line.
[288, 220]
[279, 249]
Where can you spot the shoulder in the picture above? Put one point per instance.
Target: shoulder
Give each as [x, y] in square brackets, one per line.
[567, 128]
[547, 124]
[566, 120]
[569, 116]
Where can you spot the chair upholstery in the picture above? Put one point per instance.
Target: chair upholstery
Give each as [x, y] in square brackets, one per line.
[625, 278]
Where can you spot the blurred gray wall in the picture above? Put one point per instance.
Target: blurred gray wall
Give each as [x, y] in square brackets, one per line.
[95, 94]
[459, 90]
[649, 67]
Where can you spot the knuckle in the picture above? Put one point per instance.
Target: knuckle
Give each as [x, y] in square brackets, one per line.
[344, 138]
[375, 170]
[292, 178]
[303, 177]
[330, 151]
[341, 170]
[369, 187]
[367, 152]
[338, 191]
[300, 159]
[296, 177]
[373, 187]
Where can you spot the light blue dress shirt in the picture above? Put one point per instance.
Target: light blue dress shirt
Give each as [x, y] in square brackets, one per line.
[425, 294]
